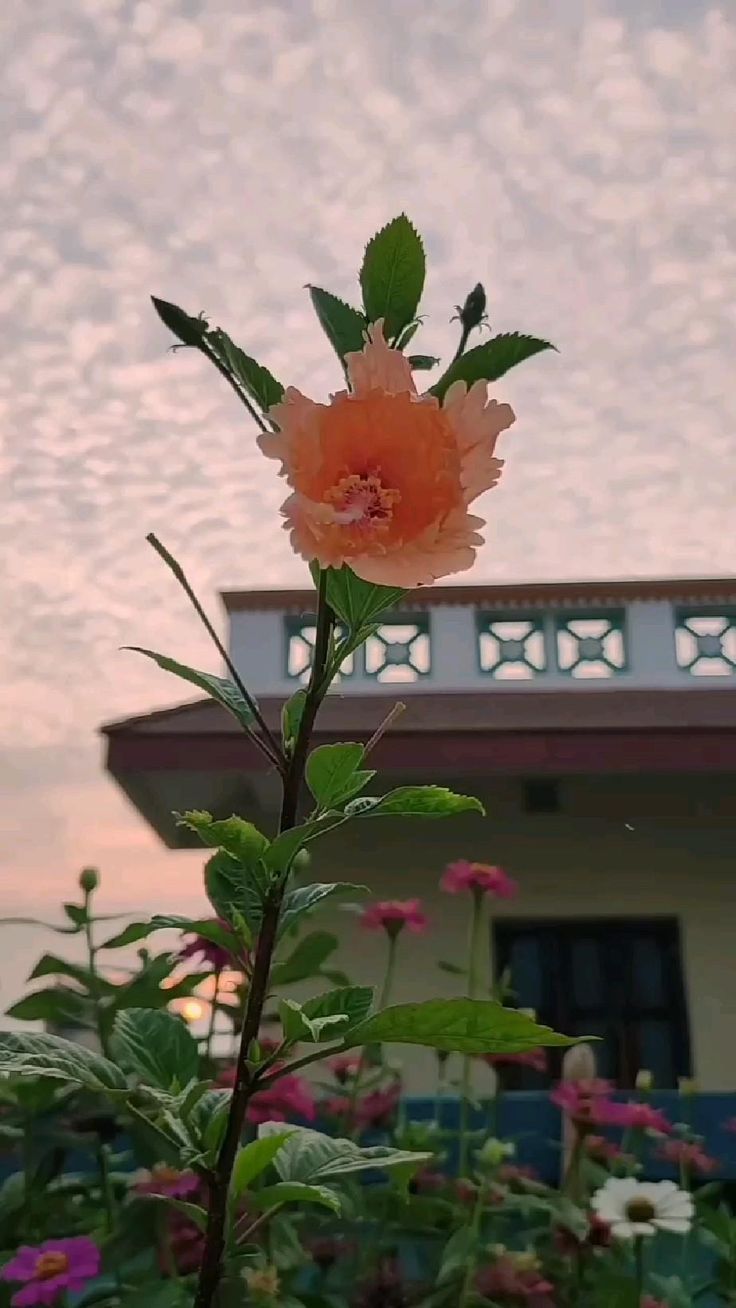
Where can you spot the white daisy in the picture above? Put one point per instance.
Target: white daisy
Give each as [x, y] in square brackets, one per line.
[634, 1208]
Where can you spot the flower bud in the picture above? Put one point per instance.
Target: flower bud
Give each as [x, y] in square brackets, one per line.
[89, 880]
[474, 308]
[494, 1152]
[644, 1079]
[687, 1085]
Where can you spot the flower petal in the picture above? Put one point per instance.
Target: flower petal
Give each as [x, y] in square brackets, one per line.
[377, 367]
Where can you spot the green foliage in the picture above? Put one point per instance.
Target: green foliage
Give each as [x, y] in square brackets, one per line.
[137, 931]
[415, 801]
[188, 330]
[392, 275]
[156, 1047]
[297, 1025]
[343, 326]
[305, 959]
[422, 362]
[334, 774]
[254, 1158]
[52, 965]
[291, 716]
[57, 1005]
[295, 1192]
[236, 892]
[304, 899]
[254, 379]
[30, 1054]
[468, 1026]
[221, 689]
[312, 1157]
[489, 361]
[358, 602]
[239, 838]
[352, 1002]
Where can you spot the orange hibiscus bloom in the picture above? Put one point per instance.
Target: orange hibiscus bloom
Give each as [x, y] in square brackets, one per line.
[381, 476]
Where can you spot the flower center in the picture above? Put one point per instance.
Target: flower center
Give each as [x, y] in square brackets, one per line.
[361, 500]
[640, 1210]
[50, 1264]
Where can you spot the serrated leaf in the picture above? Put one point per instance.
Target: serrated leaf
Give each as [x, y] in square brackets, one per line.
[254, 1158]
[356, 601]
[241, 839]
[310, 1156]
[415, 801]
[196, 1214]
[256, 380]
[190, 331]
[294, 1192]
[298, 1027]
[23, 1054]
[303, 899]
[392, 275]
[221, 689]
[343, 326]
[489, 361]
[468, 1026]
[233, 890]
[156, 1047]
[59, 1005]
[353, 1001]
[52, 965]
[305, 960]
[283, 848]
[334, 775]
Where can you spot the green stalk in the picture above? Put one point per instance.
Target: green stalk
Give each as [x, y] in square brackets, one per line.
[213, 1015]
[475, 950]
[94, 979]
[475, 1231]
[639, 1265]
[386, 988]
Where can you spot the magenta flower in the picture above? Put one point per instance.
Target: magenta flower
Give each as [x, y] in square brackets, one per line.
[480, 877]
[51, 1268]
[633, 1116]
[287, 1098]
[691, 1157]
[344, 1067]
[167, 1181]
[515, 1278]
[392, 915]
[585, 1102]
[216, 955]
[534, 1058]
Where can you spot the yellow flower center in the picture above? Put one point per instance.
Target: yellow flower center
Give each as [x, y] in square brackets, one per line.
[640, 1210]
[51, 1264]
[361, 500]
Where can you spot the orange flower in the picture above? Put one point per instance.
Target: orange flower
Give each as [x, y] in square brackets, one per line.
[381, 476]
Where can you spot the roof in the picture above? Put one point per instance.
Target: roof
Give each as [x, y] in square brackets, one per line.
[693, 590]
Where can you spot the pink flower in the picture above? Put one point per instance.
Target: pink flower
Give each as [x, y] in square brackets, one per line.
[209, 951]
[585, 1102]
[377, 1109]
[534, 1058]
[633, 1116]
[51, 1268]
[285, 1099]
[344, 1067]
[169, 1181]
[597, 1236]
[480, 877]
[427, 1182]
[513, 1173]
[392, 915]
[691, 1157]
[650, 1302]
[605, 1151]
[510, 1278]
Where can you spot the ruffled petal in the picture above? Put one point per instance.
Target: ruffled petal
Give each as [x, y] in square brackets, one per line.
[377, 367]
[477, 423]
[448, 546]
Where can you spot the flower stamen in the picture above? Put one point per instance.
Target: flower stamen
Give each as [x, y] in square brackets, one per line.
[51, 1264]
[361, 500]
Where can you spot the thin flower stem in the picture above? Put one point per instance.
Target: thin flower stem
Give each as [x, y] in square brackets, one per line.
[267, 744]
[475, 950]
[245, 1083]
[639, 1265]
[470, 1265]
[386, 988]
[259, 1223]
[213, 1014]
[324, 1051]
[94, 981]
[207, 350]
[380, 731]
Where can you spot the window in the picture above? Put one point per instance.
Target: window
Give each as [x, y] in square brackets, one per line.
[591, 644]
[300, 635]
[705, 641]
[511, 647]
[399, 649]
[541, 796]
[617, 979]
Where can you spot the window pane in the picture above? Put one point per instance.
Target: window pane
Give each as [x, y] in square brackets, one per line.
[647, 973]
[653, 1041]
[587, 973]
[526, 971]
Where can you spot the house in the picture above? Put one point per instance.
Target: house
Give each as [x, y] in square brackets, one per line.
[596, 721]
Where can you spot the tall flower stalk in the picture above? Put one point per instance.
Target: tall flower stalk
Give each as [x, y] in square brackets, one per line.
[475, 971]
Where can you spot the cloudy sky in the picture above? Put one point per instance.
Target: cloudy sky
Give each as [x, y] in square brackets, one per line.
[577, 158]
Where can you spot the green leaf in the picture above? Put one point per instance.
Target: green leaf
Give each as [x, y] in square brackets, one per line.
[56, 1004]
[422, 362]
[234, 890]
[294, 1192]
[467, 1026]
[23, 1054]
[195, 926]
[415, 801]
[254, 1158]
[303, 899]
[333, 773]
[305, 960]
[291, 716]
[256, 380]
[221, 689]
[343, 326]
[356, 601]
[298, 1026]
[490, 361]
[352, 1001]
[310, 1156]
[12, 1195]
[283, 848]
[408, 334]
[452, 968]
[239, 838]
[77, 913]
[156, 1047]
[194, 1212]
[52, 965]
[190, 331]
[392, 276]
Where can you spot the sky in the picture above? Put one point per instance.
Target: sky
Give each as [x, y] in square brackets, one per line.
[579, 159]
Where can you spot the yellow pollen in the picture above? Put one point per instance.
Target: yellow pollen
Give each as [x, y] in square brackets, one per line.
[51, 1264]
[362, 500]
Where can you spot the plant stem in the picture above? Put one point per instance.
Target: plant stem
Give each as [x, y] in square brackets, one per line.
[386, 988]
[470, 1266]
[639, 1265]
[213, 1014]
[94, 984]
[108, 1197]
[211, 1266]
[267, 744]
[475, 950]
